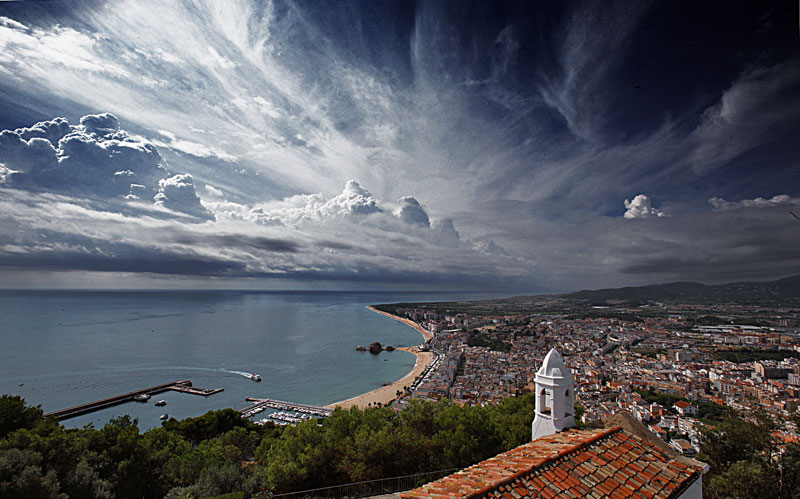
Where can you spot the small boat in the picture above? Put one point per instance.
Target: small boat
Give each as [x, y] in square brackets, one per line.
[164, 417]
[142, 397]
[161, 403]
[255, 377]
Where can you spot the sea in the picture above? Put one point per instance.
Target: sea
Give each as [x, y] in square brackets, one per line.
[59, 349]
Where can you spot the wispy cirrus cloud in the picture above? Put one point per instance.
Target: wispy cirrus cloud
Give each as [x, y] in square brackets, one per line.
[493, 140]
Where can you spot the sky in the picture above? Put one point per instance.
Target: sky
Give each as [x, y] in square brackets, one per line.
[525, 147]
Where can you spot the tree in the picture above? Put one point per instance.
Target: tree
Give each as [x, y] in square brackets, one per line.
[746, 460]
[15, 414]
[744, 480]
[21, 475]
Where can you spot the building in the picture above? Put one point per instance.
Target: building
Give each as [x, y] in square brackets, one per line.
[562, 461]
[574, 463]
[684, 408]
[555, 397]
[772, 370]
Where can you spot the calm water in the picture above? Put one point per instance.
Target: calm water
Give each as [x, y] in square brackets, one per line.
[60, 349]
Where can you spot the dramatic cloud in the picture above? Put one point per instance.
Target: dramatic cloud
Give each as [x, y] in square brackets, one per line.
[95, 159]
[490, 143]
[353, 201]
[412, 213]
[446, 232]
[178, 193]
[641, 207]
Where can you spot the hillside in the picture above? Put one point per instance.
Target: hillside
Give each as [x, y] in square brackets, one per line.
[783, 291]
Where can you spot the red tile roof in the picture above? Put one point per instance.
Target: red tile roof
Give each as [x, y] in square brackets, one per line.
[682, 404]
[576, 463]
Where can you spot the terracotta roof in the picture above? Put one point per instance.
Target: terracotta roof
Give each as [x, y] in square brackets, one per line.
[599, 463]
[682, 404]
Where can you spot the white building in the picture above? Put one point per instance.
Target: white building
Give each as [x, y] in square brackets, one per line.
[555, 397]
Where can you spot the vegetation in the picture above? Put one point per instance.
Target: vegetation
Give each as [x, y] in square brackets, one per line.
[649, 352]
[746, 460]
[492, 341]
[221, 453]
[706, 411]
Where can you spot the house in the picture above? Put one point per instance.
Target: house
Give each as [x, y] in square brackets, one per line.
[625, 460]
[684, 408]
[684, 447]
[574, 463]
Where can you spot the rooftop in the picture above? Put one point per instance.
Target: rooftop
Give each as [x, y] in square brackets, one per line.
[576, 463]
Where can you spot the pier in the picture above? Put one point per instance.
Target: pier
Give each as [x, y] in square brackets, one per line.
[183, 385]
[264, 404]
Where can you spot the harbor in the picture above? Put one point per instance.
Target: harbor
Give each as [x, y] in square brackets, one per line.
[183, 385]
[260, 405]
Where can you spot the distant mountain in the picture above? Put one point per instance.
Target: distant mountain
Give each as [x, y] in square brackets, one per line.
[784, 291]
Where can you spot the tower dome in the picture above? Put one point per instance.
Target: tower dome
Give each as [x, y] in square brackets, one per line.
[555, 397]
[553, 366]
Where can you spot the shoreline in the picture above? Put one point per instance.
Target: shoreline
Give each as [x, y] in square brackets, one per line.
[386, 394]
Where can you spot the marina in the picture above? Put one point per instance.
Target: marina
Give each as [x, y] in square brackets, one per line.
[183, 385]
[260, 405]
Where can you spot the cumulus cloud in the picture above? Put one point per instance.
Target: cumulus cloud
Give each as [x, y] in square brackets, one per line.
[53, 130]
[57, 232]
[412, 213]
[445, 232]
[100, 124]
[354, 205]
[641, 207]
[354, 201]
[95, 159]
[178, 193]
[721, 204]
[26, 156]
[489, 247]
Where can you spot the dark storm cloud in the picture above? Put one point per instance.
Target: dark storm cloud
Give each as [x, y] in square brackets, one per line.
[745, 242]
[337, 245]
[238, 241]
[124, 259]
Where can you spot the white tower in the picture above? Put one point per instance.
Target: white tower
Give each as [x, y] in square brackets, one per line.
[555, 397]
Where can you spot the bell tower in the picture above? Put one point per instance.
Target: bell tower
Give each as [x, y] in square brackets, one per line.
[555, 397]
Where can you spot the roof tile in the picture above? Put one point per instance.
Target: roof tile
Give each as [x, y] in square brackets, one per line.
[601, 463]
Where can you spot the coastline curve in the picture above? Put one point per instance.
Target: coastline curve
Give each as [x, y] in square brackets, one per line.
[385, 394]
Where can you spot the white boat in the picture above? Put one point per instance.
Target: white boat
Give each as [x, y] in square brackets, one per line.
[255, 377]
[161, 403]
[142, 397]
[164, 417]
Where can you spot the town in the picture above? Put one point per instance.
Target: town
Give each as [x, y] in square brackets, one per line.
[674, 367]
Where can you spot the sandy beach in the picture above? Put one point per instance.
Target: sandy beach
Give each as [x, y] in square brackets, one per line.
[386, 394]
